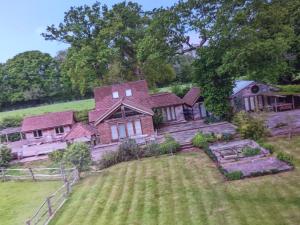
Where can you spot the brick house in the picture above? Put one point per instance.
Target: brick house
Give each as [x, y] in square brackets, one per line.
[126, 110]
[49, 127]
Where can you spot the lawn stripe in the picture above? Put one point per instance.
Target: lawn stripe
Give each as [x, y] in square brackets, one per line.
[137, 205]
[79, 193]
[166, 204]
[151, 195]
[91, 209]
[121, 213]
[114, 196]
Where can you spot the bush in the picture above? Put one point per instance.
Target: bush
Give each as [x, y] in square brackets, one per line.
[79, 155]
[169, 146]
[180, 90]
[56, 156]
[227, 136]
[269, 147]
[201, 140]
[249, 126]
[5, 156]
[285, 158]
[151, 149]
[129, 150]
[108, 159]
[82, 116]
[251, 151]
[208, 151]
[157, 119]
[10, 121]
[236, 175]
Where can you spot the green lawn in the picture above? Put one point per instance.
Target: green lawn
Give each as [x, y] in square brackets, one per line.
[19, 200]
[184, 189]
[65, 106]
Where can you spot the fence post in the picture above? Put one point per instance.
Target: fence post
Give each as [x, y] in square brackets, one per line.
[28, 222]
[3, 174]
[49, 206]
[31, 172]
[63, 173]
[68, 188]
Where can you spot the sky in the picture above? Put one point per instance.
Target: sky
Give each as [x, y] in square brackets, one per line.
[23, 21]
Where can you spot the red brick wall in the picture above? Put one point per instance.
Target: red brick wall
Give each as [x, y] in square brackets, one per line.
[105, 132]
[147, 125]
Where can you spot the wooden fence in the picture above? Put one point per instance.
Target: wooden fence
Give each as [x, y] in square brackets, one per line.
[54, 202]
[35, 174]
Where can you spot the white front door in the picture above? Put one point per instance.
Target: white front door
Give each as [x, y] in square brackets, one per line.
[138, 127]
[203, 110]
[252, 103]
[246, 101]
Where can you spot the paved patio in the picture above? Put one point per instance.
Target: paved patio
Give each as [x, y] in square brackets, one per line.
[184, 132]
[275, 119]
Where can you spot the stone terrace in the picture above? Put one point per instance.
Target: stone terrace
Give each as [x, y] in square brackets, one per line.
[230, 158]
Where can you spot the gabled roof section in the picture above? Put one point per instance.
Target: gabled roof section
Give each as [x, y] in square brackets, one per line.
[104, 99]
[192, 96]
[240, 85]
[164, 99]
[81, 130]
[46, 121]
[101, 115]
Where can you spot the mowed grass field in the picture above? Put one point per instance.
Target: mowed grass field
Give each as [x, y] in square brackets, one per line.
[19, 200]
[58, 107]
[184, 189]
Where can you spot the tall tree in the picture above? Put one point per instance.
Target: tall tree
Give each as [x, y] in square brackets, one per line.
[29, 76]
[104, 44]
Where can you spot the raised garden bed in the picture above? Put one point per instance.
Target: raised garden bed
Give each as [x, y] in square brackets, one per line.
[246, 158]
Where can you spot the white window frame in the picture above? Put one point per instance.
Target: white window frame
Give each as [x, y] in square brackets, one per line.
[36, 134]
[115, 94]
[59, 130]
[128, 92]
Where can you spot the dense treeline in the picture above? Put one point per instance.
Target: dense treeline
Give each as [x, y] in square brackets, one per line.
[251, 39]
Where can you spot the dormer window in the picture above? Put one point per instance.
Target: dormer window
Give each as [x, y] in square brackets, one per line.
[128, 92]
[115, 94]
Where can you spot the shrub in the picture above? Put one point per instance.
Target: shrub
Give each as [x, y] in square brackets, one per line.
[208, 151]
[108, 159]
[151, 149]
[247, 151]
[236, 175]
[201, 140]
[129, 150]
[56, 156]
[249, 126]
[269, 147]
[179, 90]
[10, 121]
[5, 156]
[82, 116]
[78, 154]
[157, 119]
[227, 136]
[169, 146]
[285, 158]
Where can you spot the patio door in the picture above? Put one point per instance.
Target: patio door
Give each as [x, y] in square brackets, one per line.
[138, 127]
[203, 112]
[130, 129]
[246, 101]
[122, 131]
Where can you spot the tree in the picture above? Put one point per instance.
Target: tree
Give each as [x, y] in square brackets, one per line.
[78, 154]
[29, 76]
[5, 156]
[106, 46]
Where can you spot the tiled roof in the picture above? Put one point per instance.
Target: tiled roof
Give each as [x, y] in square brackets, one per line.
[49, 120]
[192, 96]
[104, 99]
[130, 104]
[81, 130]
[164, 99]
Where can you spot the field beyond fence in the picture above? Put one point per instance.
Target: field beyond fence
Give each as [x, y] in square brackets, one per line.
[53, 202]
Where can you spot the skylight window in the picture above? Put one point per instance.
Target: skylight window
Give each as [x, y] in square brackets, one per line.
[128, 92]
[115, 94]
